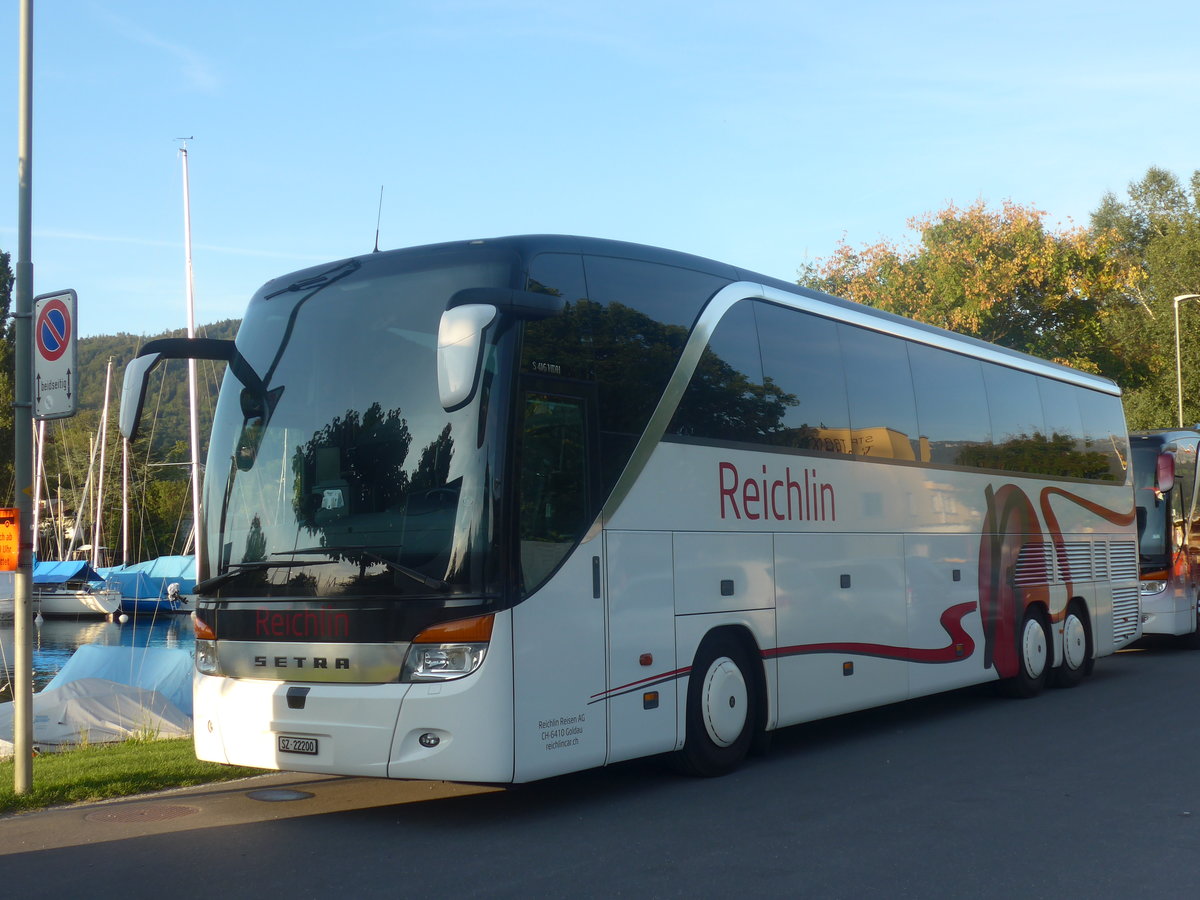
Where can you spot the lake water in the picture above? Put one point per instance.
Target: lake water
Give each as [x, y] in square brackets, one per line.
[55, 640]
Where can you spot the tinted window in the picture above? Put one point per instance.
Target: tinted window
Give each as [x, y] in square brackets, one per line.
[1060, 410]
[554, 483]
[1015, 412]
[952, 405]
[727, 398]
[1104, 432]
[802, 359]
[1072, 455]
[1152, 507]
[561, 345]
[1013, 404]
[626, 337]
[883, 416]
[664, 294]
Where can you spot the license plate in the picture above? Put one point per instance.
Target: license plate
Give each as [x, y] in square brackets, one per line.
[304, 745]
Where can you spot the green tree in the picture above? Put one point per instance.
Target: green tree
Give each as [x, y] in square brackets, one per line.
[1000, 275]
[1157, 240]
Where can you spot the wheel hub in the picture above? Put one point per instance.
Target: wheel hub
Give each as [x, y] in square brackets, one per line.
[725, 702]
[1033, 649]
[1074, 642]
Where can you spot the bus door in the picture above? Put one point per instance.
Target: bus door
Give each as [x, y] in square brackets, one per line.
[558, 629]
[641, 644]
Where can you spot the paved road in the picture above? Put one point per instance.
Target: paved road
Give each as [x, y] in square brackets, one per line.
[1092, 792]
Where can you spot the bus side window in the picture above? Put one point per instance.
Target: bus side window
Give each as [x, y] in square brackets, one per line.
[883, 413]
[554, 482]
[1104, 432]
[952, 407]
[801, 358]
[726, 398]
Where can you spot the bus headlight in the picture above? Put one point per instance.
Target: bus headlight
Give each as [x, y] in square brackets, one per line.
[1152, 587]
[442, 662]
[447, 651]
[206, 658]
[207, 662]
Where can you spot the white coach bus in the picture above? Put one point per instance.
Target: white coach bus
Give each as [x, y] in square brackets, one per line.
[503, 509]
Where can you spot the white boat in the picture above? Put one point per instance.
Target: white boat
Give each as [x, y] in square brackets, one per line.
[68, 590]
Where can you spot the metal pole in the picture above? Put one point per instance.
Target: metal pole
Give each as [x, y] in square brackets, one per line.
[23, 419]
[124, 502]
[197, 531]
[1178, 363]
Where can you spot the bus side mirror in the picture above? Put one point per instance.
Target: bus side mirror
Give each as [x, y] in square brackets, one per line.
[1164, 475]
[137, 371]
[460, 352]
[460, 334]
[133, 392]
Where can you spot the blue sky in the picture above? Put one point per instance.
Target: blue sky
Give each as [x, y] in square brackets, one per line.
[755, 132]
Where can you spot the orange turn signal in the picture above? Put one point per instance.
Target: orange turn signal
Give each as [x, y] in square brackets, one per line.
[476, 630]
[202, 629]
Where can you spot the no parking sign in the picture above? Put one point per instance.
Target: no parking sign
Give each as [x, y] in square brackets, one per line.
[55, 357]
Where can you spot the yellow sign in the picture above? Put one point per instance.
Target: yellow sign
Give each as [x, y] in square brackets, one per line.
[10, 540]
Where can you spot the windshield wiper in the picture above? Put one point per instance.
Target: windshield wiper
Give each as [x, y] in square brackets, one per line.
[435, 583]
[320, 280]
[211, 584]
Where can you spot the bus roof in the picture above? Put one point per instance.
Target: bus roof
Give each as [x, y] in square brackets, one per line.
[526, 247]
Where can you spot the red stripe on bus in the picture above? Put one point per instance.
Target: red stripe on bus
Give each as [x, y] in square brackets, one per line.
[961, 645]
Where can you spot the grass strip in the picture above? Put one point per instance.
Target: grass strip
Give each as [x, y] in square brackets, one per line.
[102, 772]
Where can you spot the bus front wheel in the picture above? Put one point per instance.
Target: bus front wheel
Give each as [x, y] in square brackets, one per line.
[721, 705]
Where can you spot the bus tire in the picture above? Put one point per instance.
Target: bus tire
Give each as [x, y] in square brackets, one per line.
[721, 708]
[1034, 656]
[1077, 648]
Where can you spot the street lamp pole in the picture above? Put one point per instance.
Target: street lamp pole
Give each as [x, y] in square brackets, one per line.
[1178, 364]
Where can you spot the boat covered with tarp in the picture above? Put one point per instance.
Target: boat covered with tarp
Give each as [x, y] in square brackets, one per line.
[159, 585]
[108, 694]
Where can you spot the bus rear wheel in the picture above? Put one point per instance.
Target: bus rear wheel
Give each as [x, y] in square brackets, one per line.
[721, 707]
[1033, 656]
[1077, 649]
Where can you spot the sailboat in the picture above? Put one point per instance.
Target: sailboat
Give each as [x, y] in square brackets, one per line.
[67, 588]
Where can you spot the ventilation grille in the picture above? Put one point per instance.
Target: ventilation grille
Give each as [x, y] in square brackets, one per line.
[1075, 561]
[1035, 565]
[1126, 614]
[1123, 557]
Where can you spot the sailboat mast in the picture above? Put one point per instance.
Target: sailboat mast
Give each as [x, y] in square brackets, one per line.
[39, 439]
[82, 507]
[191, 332]
[98, 525]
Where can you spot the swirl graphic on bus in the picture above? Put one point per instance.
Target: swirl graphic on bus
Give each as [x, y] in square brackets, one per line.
[1010, 524]
[1017, 561]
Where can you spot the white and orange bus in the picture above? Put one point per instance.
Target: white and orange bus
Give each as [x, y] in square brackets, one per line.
[503, 509]
[1165, 486]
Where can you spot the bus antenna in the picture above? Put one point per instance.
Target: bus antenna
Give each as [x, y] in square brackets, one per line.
[378, 217]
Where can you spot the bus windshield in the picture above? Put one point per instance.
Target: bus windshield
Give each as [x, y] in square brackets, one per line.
[1152, 509]
[339, 474]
